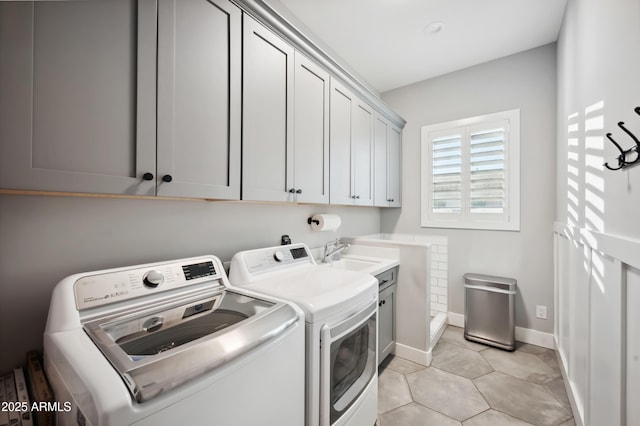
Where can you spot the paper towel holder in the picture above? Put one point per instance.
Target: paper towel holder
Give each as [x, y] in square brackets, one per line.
[312, 220]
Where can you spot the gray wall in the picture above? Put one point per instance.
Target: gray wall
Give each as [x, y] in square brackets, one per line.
[43, 239]
[527, 81]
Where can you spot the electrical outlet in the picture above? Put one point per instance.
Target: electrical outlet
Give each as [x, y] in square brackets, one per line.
[541, 312]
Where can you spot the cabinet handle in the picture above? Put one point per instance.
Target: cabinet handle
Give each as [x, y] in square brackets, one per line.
[292, 190]
[299, 191]
[147, 176]
[167, 178]
[357, 197]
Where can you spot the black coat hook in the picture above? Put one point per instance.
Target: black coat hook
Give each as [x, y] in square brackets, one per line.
[615, 143]
[620, 157]
[624, 159]
[621, 125]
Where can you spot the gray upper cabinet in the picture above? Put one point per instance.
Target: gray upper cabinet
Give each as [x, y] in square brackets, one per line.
[183, 98]
[387, 167]
[311, 132]
[285, 126]
[394, 169]
[78, 110]
[199, 99]
[77, 103]
[267, 122]
[351, 148]
[380, 162]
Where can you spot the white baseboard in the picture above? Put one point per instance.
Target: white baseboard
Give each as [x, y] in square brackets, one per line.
[535, 337]
[412, 354]
[457, 320]
[526, 335]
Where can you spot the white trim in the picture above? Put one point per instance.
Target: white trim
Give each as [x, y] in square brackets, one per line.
[442, 326]
[456, 320]
[595, 356]
[621, 248]
[568, 388]
[412, 354]
[535, 337]
[525, 335]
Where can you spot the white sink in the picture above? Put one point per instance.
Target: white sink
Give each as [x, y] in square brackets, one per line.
[352, 264]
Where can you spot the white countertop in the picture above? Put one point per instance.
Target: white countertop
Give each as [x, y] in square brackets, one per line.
[366, 264]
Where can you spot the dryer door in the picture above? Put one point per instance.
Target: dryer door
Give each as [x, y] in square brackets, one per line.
[348, 362]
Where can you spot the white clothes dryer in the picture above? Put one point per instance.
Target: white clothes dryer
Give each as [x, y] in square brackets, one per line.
[170, 343]
[341, 328]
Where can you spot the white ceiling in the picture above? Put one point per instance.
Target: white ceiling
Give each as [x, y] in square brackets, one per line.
[387, 44]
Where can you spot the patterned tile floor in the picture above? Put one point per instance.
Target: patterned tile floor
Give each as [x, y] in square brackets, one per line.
[474, 385]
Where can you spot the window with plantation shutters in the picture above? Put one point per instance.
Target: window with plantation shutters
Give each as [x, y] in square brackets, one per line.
[470, 173]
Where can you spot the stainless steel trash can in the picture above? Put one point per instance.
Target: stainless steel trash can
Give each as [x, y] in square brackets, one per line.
[489, 312]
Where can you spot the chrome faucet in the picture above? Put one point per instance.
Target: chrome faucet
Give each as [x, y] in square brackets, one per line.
[337, 248]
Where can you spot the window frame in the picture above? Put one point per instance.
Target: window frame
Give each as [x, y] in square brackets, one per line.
[509, 220]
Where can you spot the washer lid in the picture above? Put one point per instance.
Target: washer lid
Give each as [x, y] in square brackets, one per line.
[156, 349]
[320, 292]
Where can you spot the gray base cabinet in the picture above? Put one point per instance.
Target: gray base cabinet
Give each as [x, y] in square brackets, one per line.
[387, 282]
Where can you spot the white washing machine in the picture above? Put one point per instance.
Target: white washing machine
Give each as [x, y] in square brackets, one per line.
[340, 310]
[170, 343]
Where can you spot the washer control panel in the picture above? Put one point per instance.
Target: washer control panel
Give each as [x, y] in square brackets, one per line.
[123, 284]
[269, 259]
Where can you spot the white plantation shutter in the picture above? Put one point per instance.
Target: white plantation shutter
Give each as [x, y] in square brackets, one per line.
[487, 179]
[470, 173]
[447, 173]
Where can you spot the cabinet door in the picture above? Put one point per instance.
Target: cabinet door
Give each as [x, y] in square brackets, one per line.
[380, 155]
[362, 153]
[386, 324]
[351, 153]
[77, 110]
[394, 167]
[340, 165]
[267, 126]
[311, 132]
[199, 48]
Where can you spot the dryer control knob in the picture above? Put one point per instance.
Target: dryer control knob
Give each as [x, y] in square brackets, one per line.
[153, 279]
[278, 256]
